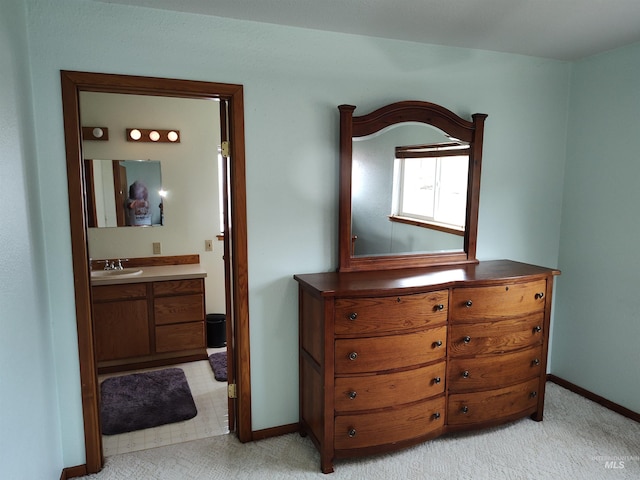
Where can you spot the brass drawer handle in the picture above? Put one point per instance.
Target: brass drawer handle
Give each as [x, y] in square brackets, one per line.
[437, 344]
[535, 362]
[466, 339]
[353, 355]
[537, 329]
[437, 380]
[464, 409]
[533, 394]
[436, 416]
[440, 307]
[465, 374]
[353, 316]
[539, 295]
[468, 303]
[352, 395]
[352, 432]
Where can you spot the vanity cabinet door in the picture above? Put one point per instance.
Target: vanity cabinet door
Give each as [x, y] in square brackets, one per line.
[121, 325]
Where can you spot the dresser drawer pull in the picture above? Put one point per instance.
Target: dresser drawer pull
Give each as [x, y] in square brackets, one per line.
[539, 295]
[535, 362]
[437, 380]
[353, 316]
[352, 432]
[533, 394]
[466, 339]
[352, 395]
[537, 329]
[465, 374]
[436, 416]
[437, 344]
[464, 409]
[353, 355]
[440, 307]
[468, 303]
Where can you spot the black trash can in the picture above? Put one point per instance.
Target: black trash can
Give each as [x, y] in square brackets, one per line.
[216, 330]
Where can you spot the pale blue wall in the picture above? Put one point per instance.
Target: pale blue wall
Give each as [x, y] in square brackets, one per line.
[597, 326]
[30, 445]
[293, 81]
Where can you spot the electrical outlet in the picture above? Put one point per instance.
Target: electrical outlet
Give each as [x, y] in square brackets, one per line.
[208, 245]
[157, 248]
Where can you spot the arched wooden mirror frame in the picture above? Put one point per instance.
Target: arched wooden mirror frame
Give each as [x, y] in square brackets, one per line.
[407, 111]
[235, 238]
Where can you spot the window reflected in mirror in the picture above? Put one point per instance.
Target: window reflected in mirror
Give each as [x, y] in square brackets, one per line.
[409, 191]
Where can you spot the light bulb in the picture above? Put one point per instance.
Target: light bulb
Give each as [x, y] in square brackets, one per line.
[97, 132]
[154, 136]
[135, 134]
[172, 136]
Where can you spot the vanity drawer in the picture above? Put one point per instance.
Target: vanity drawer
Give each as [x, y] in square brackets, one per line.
[178, 287]
[183, 336]
[183, 308]
[390, 426]
[468, 408]
[504, 301]
[359, 355]
[105, 293]
[386, 390]
[480, 338]
[355, 316]
[482, 373]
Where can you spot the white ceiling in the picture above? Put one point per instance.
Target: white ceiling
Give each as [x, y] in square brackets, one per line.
[560, 29]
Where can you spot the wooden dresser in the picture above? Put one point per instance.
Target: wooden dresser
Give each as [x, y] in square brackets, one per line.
[391, 358]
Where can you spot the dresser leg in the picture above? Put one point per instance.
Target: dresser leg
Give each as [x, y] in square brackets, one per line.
[326, 465]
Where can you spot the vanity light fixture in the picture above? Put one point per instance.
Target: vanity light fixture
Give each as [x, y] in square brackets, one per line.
[154, 135]
[95, 133]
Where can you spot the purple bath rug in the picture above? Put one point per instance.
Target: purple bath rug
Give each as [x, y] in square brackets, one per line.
[218, 363]
[145, 400]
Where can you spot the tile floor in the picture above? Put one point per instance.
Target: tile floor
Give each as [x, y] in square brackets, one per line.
[210, 397]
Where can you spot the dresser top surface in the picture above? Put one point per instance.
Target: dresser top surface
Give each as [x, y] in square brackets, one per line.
[408, 280]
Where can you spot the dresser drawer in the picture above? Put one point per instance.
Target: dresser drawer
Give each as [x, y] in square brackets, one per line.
[504, 301]
[386, 390]
[468, 408]
[482, 373]
[376, 354]
[355, 316]
[480, 338]
[390, 426]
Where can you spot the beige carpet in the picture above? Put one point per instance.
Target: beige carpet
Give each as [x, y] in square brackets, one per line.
[578, 440]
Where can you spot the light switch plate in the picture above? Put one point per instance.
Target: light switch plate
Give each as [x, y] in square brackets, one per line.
[208, 245]
[157, 248]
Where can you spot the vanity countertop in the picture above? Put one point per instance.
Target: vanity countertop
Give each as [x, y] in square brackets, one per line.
[153, 274]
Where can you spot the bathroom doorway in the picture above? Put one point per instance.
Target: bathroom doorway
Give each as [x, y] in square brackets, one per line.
[183, 183]
[234, 239]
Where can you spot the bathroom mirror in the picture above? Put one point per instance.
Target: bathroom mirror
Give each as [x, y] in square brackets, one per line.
[123, 193]
[409, 186]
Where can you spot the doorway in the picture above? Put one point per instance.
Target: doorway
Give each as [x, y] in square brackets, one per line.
[235, 243]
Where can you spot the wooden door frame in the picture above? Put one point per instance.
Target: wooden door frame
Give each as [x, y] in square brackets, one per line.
[72, 84]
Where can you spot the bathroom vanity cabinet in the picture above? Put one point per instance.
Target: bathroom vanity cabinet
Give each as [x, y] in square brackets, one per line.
[148, 323]
[392, 358]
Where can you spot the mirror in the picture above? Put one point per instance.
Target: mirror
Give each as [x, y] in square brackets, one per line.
[123, 193]
[409, 186]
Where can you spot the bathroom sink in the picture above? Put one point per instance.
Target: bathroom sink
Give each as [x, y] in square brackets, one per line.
[125, 272]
